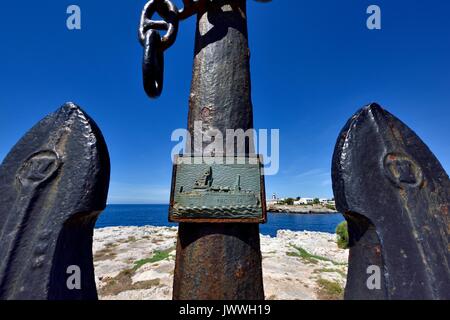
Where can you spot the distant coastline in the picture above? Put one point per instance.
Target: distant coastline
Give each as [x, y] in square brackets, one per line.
[157, 215]
[300, 209]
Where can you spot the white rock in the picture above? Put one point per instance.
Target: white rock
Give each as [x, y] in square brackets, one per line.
[286, 276]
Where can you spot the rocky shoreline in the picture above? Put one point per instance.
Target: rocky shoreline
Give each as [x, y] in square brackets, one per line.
[302, 209]
[136, 263]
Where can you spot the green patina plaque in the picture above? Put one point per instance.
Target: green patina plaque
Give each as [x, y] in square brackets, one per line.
[217, 190]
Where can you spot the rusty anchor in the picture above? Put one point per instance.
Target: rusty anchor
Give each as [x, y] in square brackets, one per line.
[215, 261]
[53, 186]
[395, 196]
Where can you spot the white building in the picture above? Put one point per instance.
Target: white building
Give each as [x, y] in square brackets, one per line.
[327, 202]
[304, 201]
[273, 200]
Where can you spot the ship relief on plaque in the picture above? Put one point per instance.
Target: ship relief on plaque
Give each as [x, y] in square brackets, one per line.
[205, 191]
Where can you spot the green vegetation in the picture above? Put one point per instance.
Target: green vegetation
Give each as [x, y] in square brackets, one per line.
[329, 290]
[342, 233]
[330, 270]
[123, 281]
[316, 201]
[308, 257]
[288, 201]
[157, 256]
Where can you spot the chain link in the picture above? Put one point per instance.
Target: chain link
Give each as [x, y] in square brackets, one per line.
[154, 44]
[171, 17]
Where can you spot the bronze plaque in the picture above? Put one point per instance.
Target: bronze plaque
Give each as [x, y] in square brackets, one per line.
[217, 190]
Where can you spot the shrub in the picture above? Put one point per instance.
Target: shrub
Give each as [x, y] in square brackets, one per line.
[330, 290]
[342, 233]
[288, 201]
[157, 256]
[308, 257]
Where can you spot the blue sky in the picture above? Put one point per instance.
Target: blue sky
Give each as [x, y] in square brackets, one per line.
[314, 63]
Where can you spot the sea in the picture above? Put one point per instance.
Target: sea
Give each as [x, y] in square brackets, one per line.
[157, 215]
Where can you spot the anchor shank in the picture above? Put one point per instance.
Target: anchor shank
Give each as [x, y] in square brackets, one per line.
[220, 261]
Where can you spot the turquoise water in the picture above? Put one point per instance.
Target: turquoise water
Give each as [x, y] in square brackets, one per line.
[156, 215]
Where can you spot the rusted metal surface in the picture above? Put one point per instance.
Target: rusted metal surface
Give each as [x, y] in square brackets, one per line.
[395, 196]
[220, 261]
[220, 93]
[53, 186]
